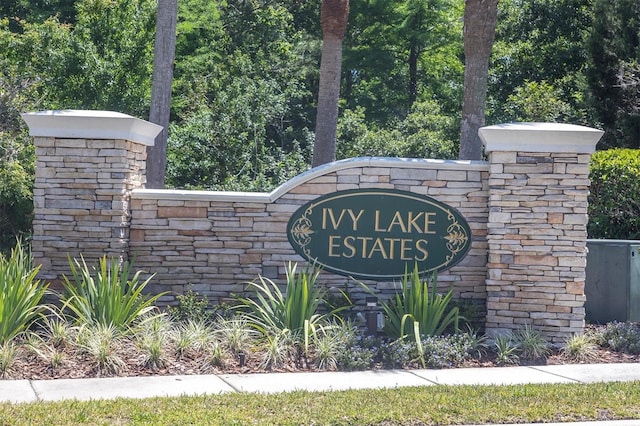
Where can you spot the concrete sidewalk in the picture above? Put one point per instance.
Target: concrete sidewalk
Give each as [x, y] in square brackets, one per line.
[145, 387]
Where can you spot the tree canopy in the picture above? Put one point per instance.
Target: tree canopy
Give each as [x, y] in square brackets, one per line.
[246, 76]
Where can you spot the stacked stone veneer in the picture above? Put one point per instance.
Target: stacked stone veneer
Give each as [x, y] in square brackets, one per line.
[218, 241]
[537, 228]
[526, 207]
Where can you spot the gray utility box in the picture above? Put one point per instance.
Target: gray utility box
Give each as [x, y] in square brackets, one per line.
[612, 284]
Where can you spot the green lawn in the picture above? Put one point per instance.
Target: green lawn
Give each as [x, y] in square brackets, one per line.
[432, 405]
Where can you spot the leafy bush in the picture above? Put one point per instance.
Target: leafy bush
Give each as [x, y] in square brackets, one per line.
[614, 201]
[20, 293]
[447, 351]
[357, 352]
[16, 203]
[621, 337]
[106, 295]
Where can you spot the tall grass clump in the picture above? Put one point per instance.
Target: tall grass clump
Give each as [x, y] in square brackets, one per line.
[106, 294]
[295, 311]
[20, 293]
[417, 309]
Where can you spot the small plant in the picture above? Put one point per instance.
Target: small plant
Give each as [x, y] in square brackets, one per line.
[191, 307]
[216, 355]
[106, 294]
[277, 350]
[531, 344]
[398, 353]
[20, 293]
[191, 338]
[506, 350]
[357, 352]
[236, 335]
[8, 353]
[100, 342]
[153, 336]
[580, 348]
[57, 331]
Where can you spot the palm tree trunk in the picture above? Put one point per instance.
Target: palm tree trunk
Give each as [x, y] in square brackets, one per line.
[480, 17]
[333, 17]
[164, 55]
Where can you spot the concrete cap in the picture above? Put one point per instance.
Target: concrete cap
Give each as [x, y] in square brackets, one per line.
[540, 137]
[84, 124]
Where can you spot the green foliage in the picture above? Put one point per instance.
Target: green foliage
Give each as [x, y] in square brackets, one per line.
[506, 350]
[613, 52]
[580, 348]
[417, 309]
[537, 101]
[540, 54]
[531, 343]
[424, 133]
[106, 295]
[614, 200]
[20, 293]
[16, 203]
[621, 337]
[295, 311]
[191, 307]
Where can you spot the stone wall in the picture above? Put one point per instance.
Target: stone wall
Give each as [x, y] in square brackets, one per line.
[526, 207]
[216, 241]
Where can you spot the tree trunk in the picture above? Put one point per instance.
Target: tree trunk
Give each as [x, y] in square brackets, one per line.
[414, 53]
[164, 55]
[480, 18]
[333, 18]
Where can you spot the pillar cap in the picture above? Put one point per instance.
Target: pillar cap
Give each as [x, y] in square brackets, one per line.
[540, 137]
[91, 124]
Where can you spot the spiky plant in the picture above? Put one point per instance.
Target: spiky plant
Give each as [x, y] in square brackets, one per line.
[20, 293]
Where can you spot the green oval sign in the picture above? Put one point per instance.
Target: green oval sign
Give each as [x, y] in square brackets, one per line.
[379, 233]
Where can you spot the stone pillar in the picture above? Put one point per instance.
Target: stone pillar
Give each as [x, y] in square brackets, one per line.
[538, 189]
[87, 164]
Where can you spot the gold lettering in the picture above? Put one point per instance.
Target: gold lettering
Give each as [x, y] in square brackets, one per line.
[364, 245]
[377, 247]
[377, 223]
[428, 222]
[333, 218]
[355, 218]
[420, 247]
[412, 222]
[392, 247]
[397, 220]
[404, 248]
[333, 245]
[348, 243]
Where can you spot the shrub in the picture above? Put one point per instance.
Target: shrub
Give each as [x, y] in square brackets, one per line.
[20, 293]
[357, 352]
[614, 201]
[447, 351]
[107, 295]
[621, 337]
[16, 203]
